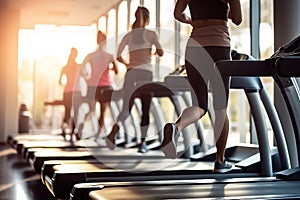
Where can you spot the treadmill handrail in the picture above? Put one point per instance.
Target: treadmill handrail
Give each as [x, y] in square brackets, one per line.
[246, 67]
[287, 67]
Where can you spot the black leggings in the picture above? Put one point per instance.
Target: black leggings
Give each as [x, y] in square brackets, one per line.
[203, 75]
[131, 78]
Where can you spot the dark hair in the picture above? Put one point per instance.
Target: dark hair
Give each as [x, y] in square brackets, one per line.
[141, 15]
[73, 55]
[100, 37]
[73, 51]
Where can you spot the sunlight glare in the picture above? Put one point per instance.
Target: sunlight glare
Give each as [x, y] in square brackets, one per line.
[20, 193]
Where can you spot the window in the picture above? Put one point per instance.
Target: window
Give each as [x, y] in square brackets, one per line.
[167, 38]
[238, 109]
[240, 36]
[133, 6]
[266, 29]
[43, 52]
[111, 31]
[102, 24]
[151, 6]
[122, 20]
[185, 30]
[122, 17]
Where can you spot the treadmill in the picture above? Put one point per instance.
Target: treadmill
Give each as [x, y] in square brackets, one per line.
[36, 156]
[279, 187]
[251, 165]
[255, 164]
[234, 188]
[23, 142]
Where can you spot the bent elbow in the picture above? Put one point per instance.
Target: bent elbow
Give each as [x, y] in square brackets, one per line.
[119, 59]
[237, 21]
[160, 52]
[176, 15]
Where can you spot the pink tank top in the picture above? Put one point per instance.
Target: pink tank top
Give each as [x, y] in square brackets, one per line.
[99, 61]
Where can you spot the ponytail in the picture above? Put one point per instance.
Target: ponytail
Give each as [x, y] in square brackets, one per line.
[101, 37]
[141, 16]
[73, 55]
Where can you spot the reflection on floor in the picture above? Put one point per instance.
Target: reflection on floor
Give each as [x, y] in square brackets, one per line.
[18, 181]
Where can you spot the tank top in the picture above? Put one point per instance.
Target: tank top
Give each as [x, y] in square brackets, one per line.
[217, 35]
[99, 61]
[139, 43]
[208, 9]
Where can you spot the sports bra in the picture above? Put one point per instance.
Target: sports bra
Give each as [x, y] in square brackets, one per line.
[208, 9]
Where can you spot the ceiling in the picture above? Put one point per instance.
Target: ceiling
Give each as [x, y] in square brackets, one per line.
[60, 12]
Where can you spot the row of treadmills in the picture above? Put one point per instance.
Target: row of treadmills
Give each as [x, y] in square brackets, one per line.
[87, 170]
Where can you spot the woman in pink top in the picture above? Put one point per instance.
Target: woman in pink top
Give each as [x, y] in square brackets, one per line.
[72, 89]
[95, 70]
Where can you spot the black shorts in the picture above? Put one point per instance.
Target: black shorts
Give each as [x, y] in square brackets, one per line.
[203, 76]
[100, 93]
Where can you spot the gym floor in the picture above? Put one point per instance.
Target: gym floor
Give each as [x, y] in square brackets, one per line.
[18, 181]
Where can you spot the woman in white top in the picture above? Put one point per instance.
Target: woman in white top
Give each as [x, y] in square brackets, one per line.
[139, 41]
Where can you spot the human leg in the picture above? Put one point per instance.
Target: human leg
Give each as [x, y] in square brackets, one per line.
[220, 100]
[86, 109]
[199, 94]
[146, 103]
[103, 96]
[188, 116]
[131, 78]
[221, 131]
[103, 108]
[125, 111]
[222, 123]
[171, 130]
[111, 137]
[77, 100]
[67, 101]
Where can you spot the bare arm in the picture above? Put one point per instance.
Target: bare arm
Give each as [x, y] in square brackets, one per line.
[84, 69]
[115, 67]
[159, 51]
[179, 14]
[120, 50]
[60, 79]
[235, 11]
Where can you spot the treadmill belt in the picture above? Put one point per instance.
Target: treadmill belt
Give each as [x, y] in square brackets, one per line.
[248, 190]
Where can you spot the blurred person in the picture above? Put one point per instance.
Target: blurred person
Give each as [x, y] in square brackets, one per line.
[95, 70]
[139, 68]
[71, 89]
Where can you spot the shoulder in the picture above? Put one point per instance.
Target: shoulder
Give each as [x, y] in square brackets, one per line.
[107, 55]
[64, 69]
[127, 36]
[151, 34]
[78, 65]
[89, 55]
[231, 1]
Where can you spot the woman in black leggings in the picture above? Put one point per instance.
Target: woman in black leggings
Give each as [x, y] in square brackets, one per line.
[209, 42]
[139, 68]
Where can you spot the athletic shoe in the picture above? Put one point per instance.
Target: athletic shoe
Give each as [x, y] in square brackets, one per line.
[78, 132]
[169, 143]
[222, 167]
[111, 138]
[143, 148]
